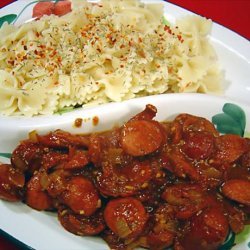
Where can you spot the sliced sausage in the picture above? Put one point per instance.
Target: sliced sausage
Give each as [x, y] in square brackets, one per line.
[195, 123]
[164, 229]
[181, 166]
[11, 183]
[36, 195]
[140, 137]
[198, 145]
[81, 196]
[63, 139]
[57, 182]
[189, 199]
[81, 224]
[53, 159]
[124, 180]
[208, 230]
[78, 160]
[147, 114]
[126, 217]
[27, 156]
[236, 217]
[245, 160]
[237, 190]
[95, 149]
[229, 148]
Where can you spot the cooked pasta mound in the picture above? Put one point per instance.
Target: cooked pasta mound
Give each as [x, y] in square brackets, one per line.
[106, 52]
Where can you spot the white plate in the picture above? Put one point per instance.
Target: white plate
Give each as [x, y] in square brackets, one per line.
[41, 230]
[232, 49]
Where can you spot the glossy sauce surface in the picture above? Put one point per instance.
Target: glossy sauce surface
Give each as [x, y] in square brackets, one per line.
[147, 183]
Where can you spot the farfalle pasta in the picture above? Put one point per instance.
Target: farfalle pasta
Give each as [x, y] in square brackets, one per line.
[105, 52]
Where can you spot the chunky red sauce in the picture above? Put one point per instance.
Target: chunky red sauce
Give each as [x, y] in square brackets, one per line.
[146, 183]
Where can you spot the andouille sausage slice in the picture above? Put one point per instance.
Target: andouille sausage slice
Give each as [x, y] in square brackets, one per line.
[27, 156]
[11, 183]
[81, 196]
[237, 190]
[141, 137]
[147, 114]
[36, 195]
[208, 230]
[229, 148]
[196, 123]
[188, 199]
[81, 224]
[63, 139]
[198, 145]
[164, 229]
[124, 181]
[126, 217]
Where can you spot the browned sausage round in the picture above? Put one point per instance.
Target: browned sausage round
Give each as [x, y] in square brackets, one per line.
[245, 160]
[237, 190]
[126, 217]
[181, 166]
[140, 137]
[53, 159]
[124, 180]
[63, 139]
[189, 199]
[36, 196]
[27, 156]
[95, 149]
[57, 183]
[195, 123]
[80, 224]
[236, 217]
[77, 160]
[208, 230]
[164, 229]
[147, 114]
[11, 183]
[198, 145]
[81, 196]
[229, 148]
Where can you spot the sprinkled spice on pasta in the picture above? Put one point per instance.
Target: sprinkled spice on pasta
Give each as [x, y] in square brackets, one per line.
[99, 53]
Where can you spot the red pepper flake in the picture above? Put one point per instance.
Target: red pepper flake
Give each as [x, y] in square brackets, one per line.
[59, 59]
[78, 122]
[53, 53]
[11, 62]
[167, 28]
[95, 120]
[41, 46]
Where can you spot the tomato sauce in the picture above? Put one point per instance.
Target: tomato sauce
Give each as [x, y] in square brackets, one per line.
[148, 184]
